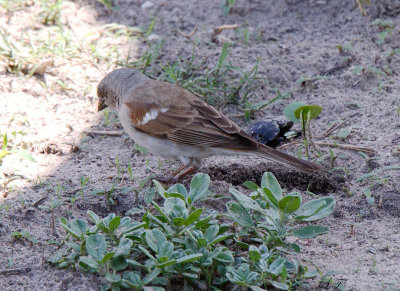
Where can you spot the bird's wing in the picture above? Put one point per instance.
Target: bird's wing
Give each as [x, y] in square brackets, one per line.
[170, 112]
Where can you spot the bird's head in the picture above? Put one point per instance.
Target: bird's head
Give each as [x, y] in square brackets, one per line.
[115, 85]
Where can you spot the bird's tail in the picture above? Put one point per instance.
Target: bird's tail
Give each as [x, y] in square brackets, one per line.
[288, 160]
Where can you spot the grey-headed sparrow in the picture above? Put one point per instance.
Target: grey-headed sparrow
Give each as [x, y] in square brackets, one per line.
[172, 122]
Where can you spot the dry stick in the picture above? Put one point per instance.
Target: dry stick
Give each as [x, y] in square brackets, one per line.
[105, 132]
[189, 36]
[221, 28]
[343, 146]
[380, 200]
[335, 126]
[346, 146]
[15, 271]
[39, 201]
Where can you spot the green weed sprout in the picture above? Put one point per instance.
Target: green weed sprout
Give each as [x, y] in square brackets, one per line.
[303, 113]
[5, 151]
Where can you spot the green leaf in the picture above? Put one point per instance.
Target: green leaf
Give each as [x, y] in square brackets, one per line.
[239, 214]
[270, 197]
[270, 182]
[114, 223]
[290, 203]
[220, 238]
[279, 285]
[160, 189]
[89, 262]
[193, 216]
[119, 263]
[107, 257]
[175, 195]
[251, 185]
[198, 187]
[290, 109]
[178, 188]
[149, 195]
[150, 277]
[23, 154]
[245, 201]
[254, 254]
[154, 238]
[370, 199]
[313, 110]
[175, 207]
[324, 211]
[310, 231]
[93, 216]
[3, 153]
[96, 246]
[78, 226]
[132, 279]
[76, 232]
[189, 258]
[161, 211]
[309, 209]
[211, 232]
[114, 278]
[277, 266]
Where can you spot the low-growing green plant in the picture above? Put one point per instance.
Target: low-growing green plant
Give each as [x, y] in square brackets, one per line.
[385, 27]
[50, 12]
[227, 6]
[177, 243]
[6, 150]
[25, 235]
[214, 84]
[374, 178]
[303, 113]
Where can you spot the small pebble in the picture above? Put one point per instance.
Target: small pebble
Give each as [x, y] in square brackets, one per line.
[147, 5]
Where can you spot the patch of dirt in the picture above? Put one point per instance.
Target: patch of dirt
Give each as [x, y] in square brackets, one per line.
[292, 40]
[237, 174]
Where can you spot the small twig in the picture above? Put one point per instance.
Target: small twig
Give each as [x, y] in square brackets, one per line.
[380, 200]
[105, 132]
[188, 36]
[39, 201]
[221, 28]
[346, 146]
[335, 126]
[338, 67]
[15, 271]
[343, 146]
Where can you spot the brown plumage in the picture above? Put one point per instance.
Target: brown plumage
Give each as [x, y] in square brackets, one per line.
[170, 121]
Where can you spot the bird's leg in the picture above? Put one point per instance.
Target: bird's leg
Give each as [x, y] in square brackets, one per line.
[188, 171]
[177, 171]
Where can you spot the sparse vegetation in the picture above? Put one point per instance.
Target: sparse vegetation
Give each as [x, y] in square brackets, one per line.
[139, 234]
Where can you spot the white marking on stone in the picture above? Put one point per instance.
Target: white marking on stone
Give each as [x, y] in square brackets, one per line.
[152, 115]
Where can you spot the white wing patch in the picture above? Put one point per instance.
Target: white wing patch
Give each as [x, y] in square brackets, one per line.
[152, 115]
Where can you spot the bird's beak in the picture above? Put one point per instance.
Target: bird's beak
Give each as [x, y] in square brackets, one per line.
[101, 106]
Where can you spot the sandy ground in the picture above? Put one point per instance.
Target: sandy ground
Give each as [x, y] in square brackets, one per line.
[292, 39]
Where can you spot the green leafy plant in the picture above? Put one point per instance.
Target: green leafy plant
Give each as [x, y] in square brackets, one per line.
[178, 243]
[227, 6]
[374, 178]
[300, 112]
[385, 27]
[50, 12]
[24, 234]
[5, 150]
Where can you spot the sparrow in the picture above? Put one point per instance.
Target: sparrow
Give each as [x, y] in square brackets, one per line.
[174, 123]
